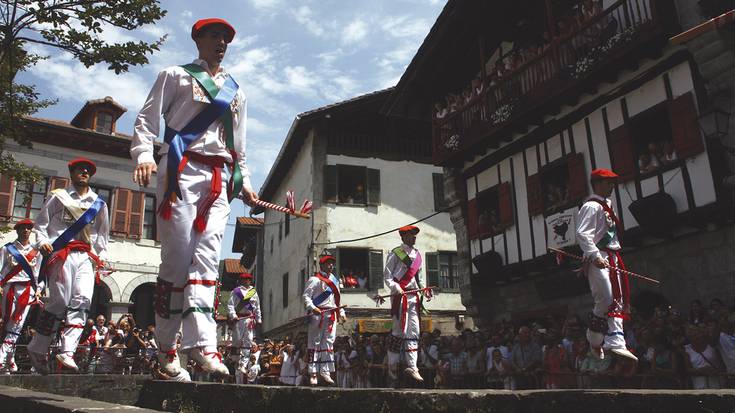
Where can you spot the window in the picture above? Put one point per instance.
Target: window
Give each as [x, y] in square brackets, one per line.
[270, 302]
[558, 186]
[105, 193]
[488, 220]
[440, 203]
[280, 231]
[302, 280]
[287, 225]
[351, 185]
[271, 244]
[442, 270]
[104, 122]
[285, 290]
[490, 212]
[656, 139]
[149, 217]
[360, 268]
[128, 211]
[37, 194]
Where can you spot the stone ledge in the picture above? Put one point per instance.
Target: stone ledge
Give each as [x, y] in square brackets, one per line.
[103, 387]
[17, 400]
[215, 398]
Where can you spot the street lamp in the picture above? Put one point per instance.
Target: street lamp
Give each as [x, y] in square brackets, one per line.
[715, 120]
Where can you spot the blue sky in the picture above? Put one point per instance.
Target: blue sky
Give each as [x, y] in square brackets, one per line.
[288, 56]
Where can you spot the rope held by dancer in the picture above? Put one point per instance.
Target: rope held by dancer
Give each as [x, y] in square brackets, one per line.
[631, 273]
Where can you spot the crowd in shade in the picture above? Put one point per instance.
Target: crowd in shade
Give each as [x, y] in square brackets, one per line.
[676, 349]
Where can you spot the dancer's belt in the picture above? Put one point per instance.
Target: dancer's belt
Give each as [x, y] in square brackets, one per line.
[79, 246]
[621, 296]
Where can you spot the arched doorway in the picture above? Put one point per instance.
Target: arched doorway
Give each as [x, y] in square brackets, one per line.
[142, 304]
[100, 301]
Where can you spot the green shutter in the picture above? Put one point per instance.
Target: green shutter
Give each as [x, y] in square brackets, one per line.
[330, 183]
[373, 186]
[432, 270]
[375, 270]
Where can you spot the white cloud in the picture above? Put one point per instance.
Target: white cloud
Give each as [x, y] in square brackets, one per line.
[300, 80]
[305, 16]
[406, 26]
[355, 31]
[265, 4]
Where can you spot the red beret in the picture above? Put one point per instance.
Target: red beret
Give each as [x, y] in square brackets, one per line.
[408, 228]
[325, 258]
[598, 174]
[23, 222]
[83, 161]
[246, 276]
[200, 24]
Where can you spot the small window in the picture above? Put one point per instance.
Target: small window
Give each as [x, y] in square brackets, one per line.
[285, 290]
[105, 193]
[351, 185]
[104, 123]
[286, 225]
[352, 182]
[270, 302]
[280, 231]
[448, 270]
[353, 268]
[555, 187]
[37, 194]
[271, 244]
[652, 141]
[302, 280]
[149, 217]
[488, 206]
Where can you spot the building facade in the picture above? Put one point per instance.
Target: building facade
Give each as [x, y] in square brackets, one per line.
[366, 175]
[133, 250]
[603, 88]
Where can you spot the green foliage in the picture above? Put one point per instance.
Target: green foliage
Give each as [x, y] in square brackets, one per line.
[74, 26]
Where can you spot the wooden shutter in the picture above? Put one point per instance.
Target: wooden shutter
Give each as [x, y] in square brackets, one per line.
[684, 127]
[120, 210]
[330, 183]
[472, 218]
[373, 186]
[432, 270]
[534, 195]
[440, 202]
[6, 196]
[58, 182]
[375, 270]
[622, 154]
[577, 185]
[135, 214]
[505, 205]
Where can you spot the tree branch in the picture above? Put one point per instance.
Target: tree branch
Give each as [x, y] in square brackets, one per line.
[71, 49]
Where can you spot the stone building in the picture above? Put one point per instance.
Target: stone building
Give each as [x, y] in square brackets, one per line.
[133, 250]
[366, 174]
[552, 91]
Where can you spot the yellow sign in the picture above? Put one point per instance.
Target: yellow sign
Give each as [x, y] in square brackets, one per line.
[384, 325]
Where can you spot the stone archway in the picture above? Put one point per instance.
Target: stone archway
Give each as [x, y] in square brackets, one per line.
[142, 304]
[132, 285]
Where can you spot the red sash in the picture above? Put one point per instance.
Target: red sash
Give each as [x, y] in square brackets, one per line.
[330, 284]
[618, 226]
[20, 306]
[63, 253]
[18, 268]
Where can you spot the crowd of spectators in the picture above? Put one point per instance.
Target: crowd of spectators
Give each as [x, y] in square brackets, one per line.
[656, 155]
[524, 52]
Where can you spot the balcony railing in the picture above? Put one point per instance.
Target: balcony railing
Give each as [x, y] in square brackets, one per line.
[564, 62]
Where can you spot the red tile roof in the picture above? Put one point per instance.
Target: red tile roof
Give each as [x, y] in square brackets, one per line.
[249, 221]
[233, 266]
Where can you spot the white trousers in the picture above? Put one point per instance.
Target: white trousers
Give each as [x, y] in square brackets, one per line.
[243, 337]
[602, 293]
[12, 329]
[189, 255]
[410, 338]
[71, 286]
[320, 342]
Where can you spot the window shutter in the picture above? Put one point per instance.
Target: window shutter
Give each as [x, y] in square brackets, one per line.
[6, 196]
[472, 218]
[330, 183]
[375, 264]
[373, 186]
[534, 195]
[505, 203]
[135, 214]
[120, 211]
[622, 154]
[432, 270]
[440, 202]
[577, 177]
[684, 127]
[58, 182]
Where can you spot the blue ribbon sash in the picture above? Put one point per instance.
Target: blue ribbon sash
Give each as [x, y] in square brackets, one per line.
[20, 259]
[326, 293]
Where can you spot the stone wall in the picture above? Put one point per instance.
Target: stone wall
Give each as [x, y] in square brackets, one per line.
[107, 388]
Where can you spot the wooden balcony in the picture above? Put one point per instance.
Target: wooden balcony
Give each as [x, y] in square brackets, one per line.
[563, 70]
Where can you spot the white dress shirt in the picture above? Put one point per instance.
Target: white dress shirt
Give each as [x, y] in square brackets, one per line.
[235, 300]
[8, 262]
[395, 268]
[53, 220]
[178, 97]
[314, 287]
[593, 224]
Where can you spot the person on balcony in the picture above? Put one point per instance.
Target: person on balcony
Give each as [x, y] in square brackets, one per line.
[597, 233]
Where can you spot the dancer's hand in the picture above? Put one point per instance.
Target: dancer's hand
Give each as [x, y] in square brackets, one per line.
[343, 319]
[249, 196]
[142, 173]
[46, 249]
[316, 310]
[600, 262]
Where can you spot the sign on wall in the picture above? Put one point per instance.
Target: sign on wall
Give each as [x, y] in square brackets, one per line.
[560, 228]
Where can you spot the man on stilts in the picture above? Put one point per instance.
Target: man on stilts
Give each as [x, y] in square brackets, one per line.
[205, 115]
[402, 273]
[72, 234]
[243, 313]
[598, 231]
[19, 265]
[322, 301]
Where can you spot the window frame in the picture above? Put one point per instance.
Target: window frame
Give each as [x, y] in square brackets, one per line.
[153, 226]
[453, 266]
[96, 121]
[338, 269]
[285, 289]
[28, 208]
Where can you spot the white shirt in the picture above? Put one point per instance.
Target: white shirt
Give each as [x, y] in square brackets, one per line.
[53, 220]
[8, 262]
[727, 351]
[235, 300]
[314, 287]
[593, 224]
[427, 356]
[173, 96]
[395, 269]
[504, 353]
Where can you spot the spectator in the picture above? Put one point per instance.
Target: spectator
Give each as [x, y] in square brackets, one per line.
[703, 362]
[526, 359]
[362, 280]
[428, 358]
[290, 365]
[475, 362]
[555, 362]
[253, 369]
[697, 315]
[664, 365]
[499, 371]
[457, 363]
[101, 330]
